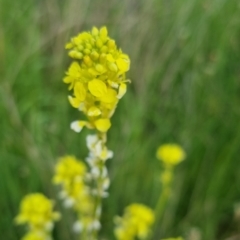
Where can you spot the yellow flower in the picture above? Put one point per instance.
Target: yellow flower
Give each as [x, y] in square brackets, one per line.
[97, 88]
[71, 174]
[36, 235]
[103, 124]
[85, 205]
[73, 74]
[136, 222]
[171, 154]
[68, 169]
[80, 91]
[37, 211]
[97, 77]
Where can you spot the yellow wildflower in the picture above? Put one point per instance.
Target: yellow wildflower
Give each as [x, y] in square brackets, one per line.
[136, 222]
[171, 154]
[102, 124]
[68, 169]
[71, 174]
[73, 74]
[37, 211]
[36, 235]
[97, 77]
[97, 88]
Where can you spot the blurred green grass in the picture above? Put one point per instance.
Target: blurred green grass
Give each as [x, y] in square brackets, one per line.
[185, 58]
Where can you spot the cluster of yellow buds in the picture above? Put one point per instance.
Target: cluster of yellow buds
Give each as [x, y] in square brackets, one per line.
[170, 154]
[71, 174]
[36, 235]
[97, 78]
[37, 212]
[136, 222]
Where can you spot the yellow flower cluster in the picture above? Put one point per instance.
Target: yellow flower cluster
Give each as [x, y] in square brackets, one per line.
[36, 235]
[97, 77]
[171, 154]
[136, 222]
[71, 174]
[69, 170]
[37, 212]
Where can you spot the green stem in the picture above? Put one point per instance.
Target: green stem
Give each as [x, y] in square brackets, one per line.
[84, 235]
[162, 202]
[164, 195]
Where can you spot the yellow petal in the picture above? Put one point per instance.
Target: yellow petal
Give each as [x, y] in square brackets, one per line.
[109, 97]
[94, 111]
[103, 124]
[68, 79]
[122, 90]
[80, 91]
[97, 88]
[123, 64]
[74, 70]
[74, 101]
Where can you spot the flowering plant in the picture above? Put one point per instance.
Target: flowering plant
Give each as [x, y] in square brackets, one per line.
[97, 81]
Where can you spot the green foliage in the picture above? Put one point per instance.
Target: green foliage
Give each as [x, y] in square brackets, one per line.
[185, 58]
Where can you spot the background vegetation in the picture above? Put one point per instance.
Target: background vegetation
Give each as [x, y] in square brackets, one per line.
[185, 58]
